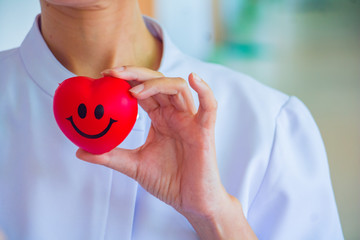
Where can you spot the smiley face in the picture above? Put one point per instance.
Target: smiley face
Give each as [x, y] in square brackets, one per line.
[95, 114]
[99, 113]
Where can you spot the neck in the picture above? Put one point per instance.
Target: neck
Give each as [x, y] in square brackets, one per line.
[88, 41]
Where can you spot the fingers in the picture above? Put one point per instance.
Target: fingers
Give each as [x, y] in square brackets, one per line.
[153, 85]
[121, 160]
[131, 73]
[207, 103]
[167, 91]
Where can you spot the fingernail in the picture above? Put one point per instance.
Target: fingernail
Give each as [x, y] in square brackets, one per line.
[105, 72]
[137, 89]
[108, 71]
[120, 69]
[196, 77]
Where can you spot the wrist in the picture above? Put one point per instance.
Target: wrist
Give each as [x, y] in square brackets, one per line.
[225, 221]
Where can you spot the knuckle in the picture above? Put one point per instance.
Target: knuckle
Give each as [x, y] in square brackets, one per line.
[151, 85]
[215, 103]
[127, 68]
[181, 82]
[213, 106]
[162, 80]
[153, 73]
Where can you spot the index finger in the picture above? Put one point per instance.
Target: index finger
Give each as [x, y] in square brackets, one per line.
[132, 73]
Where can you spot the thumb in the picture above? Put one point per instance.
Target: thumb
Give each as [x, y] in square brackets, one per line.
[121, 160]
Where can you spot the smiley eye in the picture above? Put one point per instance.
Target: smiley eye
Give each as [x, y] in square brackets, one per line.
[99, 111]
[82, 110]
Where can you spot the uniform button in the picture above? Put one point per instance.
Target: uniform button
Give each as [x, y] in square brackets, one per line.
[137, 117]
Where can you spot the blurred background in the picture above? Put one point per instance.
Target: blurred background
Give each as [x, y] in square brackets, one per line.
[306, 48]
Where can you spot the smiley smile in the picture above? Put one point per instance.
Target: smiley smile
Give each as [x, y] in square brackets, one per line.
[88, 135]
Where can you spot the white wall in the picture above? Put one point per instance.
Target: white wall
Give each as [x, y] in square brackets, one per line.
[189, 24]
[16, 18]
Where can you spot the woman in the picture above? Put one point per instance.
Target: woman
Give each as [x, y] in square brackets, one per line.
[265, 173]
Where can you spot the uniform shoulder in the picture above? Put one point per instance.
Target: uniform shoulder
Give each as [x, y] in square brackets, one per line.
[238, 86]
[10, 66]
[8, 54]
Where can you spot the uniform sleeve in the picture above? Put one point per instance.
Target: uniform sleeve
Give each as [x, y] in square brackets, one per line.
[295, 199]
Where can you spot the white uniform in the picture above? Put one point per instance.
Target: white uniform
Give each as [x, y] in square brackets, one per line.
[269, 151]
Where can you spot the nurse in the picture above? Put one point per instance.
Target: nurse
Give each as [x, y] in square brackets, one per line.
[265, 173]
[177, 164]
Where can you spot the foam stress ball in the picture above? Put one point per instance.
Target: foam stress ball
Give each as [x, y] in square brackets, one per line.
[95, 114]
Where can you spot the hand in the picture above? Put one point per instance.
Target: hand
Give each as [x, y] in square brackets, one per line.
[177, 163]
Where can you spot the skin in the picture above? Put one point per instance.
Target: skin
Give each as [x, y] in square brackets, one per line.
[177, 163]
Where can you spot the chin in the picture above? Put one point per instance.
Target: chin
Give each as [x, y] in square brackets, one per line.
[83, 4]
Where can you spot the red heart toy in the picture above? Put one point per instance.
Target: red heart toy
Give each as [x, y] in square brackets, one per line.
[95, 114]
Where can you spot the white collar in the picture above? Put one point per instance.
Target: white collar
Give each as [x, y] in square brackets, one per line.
[47, 72]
